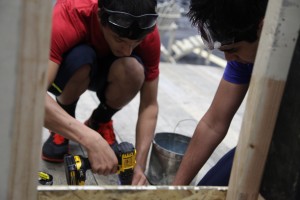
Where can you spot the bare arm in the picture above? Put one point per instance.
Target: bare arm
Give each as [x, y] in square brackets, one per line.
[101, 156]
[145, 128]
[211, 130]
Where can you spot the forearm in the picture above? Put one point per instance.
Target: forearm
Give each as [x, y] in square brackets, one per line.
[201, 146]
[144, 133]
[101, 156]
[59, 121]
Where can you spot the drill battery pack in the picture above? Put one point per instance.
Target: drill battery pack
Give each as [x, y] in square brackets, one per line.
[126, 154]
[75, 168]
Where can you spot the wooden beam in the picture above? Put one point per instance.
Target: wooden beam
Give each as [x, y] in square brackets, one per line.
[277, 43]
[281, 178]
[130, 192]
[24, 50]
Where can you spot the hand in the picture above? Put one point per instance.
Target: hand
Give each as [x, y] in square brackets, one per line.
[102, 158]
[139, 177]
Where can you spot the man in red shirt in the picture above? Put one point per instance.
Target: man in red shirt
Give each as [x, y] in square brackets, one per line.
[111, 47]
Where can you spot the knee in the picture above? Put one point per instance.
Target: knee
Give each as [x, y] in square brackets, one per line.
[82, 74]
[84, 52]
[133, 70]
[80, 55]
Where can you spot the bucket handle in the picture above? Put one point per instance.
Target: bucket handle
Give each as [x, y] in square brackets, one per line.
[183, 120]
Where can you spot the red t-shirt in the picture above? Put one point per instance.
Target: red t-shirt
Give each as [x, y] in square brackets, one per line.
[75, 22]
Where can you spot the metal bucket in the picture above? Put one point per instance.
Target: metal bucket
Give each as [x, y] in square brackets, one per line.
[166, 155]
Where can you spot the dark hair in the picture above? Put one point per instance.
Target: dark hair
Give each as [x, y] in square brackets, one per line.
[134, 7]
[237, 19]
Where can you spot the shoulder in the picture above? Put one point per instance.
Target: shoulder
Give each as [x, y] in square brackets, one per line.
[151, 38]
[77, 3]
[239, 73]
[149, 52]
[150, 46]
[79, 7]
[69, 22]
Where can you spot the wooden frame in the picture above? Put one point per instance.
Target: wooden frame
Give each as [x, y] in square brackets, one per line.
[24, 46]
[131, 192]
[24, 53]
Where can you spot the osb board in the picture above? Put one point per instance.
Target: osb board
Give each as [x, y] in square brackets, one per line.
[131, 192]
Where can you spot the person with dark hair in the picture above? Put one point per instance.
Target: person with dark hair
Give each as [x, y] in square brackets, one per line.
[233, 27]
[111, 47]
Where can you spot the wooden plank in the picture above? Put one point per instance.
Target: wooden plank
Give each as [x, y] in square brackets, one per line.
[8, 78]
[24, 44]
[281, 175]
[277, 43]
[131, 192]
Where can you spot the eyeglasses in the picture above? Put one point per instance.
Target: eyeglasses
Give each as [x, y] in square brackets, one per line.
[210, 40]
[125, 20]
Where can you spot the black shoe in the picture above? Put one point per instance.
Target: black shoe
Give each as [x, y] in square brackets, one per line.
[55, 147]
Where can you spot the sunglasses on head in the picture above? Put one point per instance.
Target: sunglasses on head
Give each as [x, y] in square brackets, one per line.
[209, 39]
[125, 20]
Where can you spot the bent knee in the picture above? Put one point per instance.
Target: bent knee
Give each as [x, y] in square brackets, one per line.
[132, 68]
[82, 74]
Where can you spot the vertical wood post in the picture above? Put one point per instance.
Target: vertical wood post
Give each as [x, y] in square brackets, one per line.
[24, 52]
[277, 43]
[281, 178]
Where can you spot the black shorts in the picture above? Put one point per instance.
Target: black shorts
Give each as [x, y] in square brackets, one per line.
[77, 57]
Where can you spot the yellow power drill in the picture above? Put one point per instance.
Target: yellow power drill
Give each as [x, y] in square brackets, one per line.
[76, 166]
